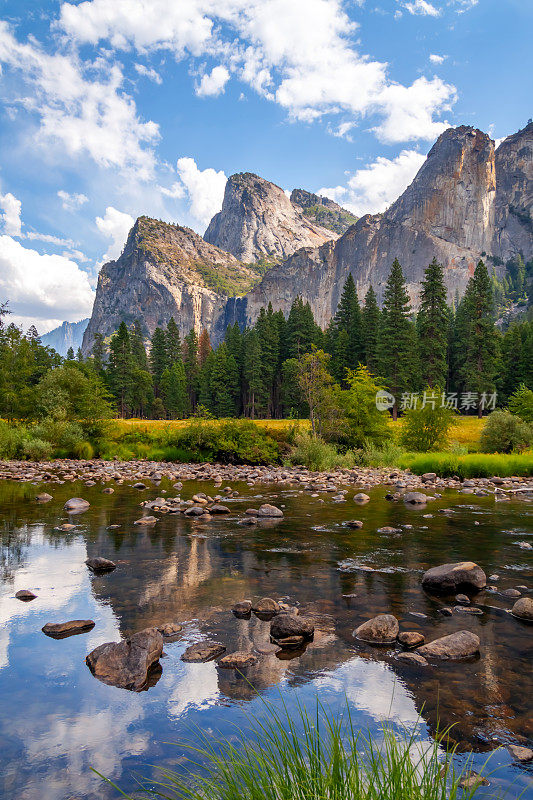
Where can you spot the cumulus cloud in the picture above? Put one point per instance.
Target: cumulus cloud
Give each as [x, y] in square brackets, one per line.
[44, 289]
[11, 208]
[149, 72]
[71, 202]
[213, 83]
[373, 188]
[114, 225]
[315, 73]
[86, 115]
[436, 59]
[422, 7]
[204, 189]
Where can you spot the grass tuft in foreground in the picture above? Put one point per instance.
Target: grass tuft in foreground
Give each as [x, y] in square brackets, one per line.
[317, 756]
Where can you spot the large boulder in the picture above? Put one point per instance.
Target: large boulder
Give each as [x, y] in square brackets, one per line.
[285, 625]
[60, 630]
[447, 578]
[266, 606]
[238, 660]
[76, 505]
[126, 664]
[382, 629]
[463, 644]
[523, 609]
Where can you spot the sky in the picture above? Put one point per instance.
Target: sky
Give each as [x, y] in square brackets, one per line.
[110, 109]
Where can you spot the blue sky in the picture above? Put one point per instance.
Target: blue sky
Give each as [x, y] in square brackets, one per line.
[114, 108]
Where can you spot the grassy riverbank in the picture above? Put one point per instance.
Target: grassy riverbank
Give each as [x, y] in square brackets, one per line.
[314, 756]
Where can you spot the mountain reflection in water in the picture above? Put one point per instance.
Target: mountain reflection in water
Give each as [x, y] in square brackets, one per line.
[57, 720]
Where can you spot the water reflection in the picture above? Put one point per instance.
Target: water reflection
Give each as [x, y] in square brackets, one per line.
[57, 720]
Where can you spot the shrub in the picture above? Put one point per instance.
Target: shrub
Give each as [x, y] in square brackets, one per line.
[11, 440]
[365, 422]
[505, 433]
[228, 441]
[521, 403]
[313, 756]
[83, 450]
[386, 456]
[426, 428]
[36, 449]
[315, 454]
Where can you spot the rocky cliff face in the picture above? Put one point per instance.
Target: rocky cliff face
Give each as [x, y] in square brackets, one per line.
[69, 334]
[323, 211]
[164, 271]
[258, 222]
[464, 203]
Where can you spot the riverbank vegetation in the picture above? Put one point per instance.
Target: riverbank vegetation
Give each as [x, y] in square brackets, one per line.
[304, 756]
[376, 388]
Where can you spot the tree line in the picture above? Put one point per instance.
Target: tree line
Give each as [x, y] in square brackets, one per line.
[455, 348]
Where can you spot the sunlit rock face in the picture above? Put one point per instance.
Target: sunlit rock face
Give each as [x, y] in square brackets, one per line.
[258, 221]
[466, 202]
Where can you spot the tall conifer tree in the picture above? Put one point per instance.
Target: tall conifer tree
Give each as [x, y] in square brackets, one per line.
[432, 328]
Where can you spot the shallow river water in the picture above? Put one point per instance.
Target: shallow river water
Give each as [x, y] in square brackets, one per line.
[57, 720]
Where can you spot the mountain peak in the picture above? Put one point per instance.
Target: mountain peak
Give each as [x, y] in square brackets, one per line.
[258, 222]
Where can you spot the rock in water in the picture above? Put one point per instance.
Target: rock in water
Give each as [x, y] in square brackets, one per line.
[523, 754]
[463, 644]
[76, 505]
[203, 651]
[285, 625]
[415, 498]
[411, 638]
[448, 578]
[382, 629]
[25, 595]
[267, 510]
[126, 664]
[44, 498]
[523, 609]
[60, 630]
[413, 658]
[238, 660]
[218, 508]
[266, 606]
[170, 628]
[243, 608]
[99, 564]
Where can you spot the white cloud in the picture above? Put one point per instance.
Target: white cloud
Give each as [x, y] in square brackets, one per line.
[114, 225]
[11, 208]
[423, 8]
[463, 5]
[44, 289]
[204, 188]
[372, 189]
[436, 59]
[71, 202]
[315, 73]
[49, 239]
[149, 72]
[86, 115]
[213, 83]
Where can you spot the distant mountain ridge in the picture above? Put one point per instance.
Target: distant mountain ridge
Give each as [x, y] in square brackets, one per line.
[68, 334]
[468, 201]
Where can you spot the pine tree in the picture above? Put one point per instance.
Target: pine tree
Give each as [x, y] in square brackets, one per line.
[190, 348]
[173, 342]
[174, 390]
[302, 331]
[370, 319]
[432, 328]
[345, 333]
[98, 353]
[397, 339]
[220, 384]
[204, 347]
[158, 357]
[252, 371]
[479, 366]
[121, 367]
[70, 354]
